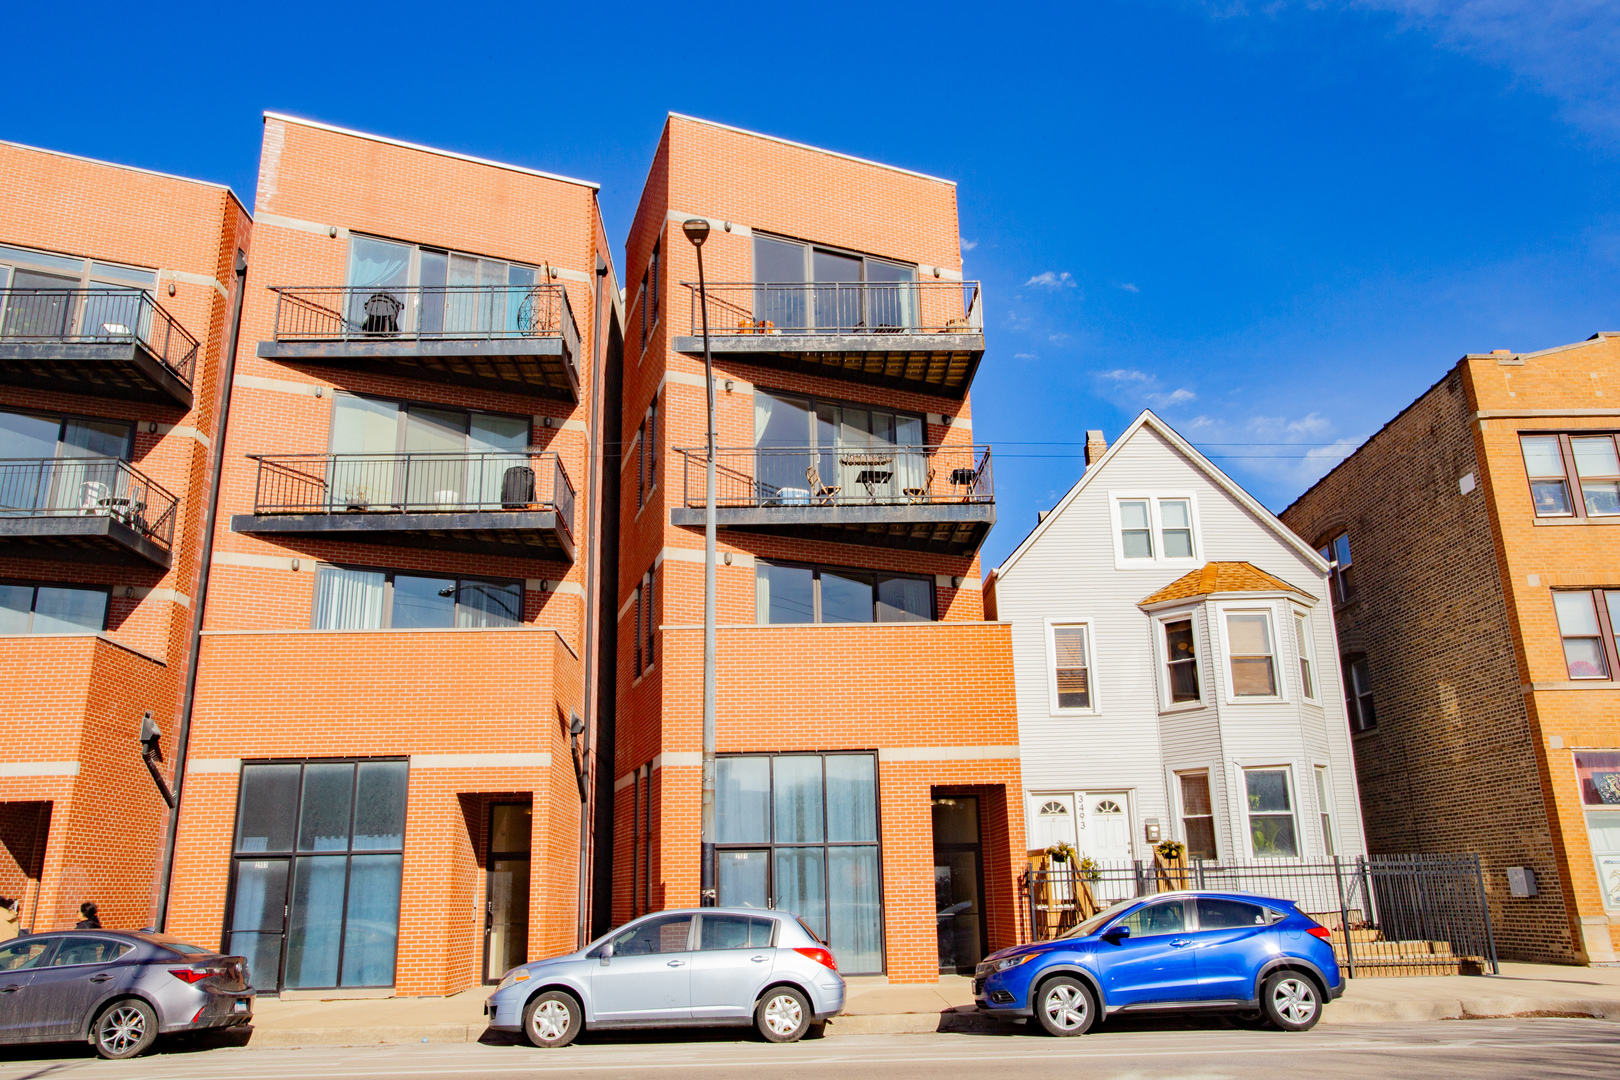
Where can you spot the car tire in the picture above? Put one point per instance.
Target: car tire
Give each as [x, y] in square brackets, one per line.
[783, 1015]
[1065, 1006]
[1291, 1001]
[552, 1019]
[124, 1029]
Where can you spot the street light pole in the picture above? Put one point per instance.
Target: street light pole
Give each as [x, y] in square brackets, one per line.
[697, 231]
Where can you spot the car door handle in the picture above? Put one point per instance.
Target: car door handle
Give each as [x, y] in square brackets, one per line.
[759, 959]
[677, 963]
[12, 988]
[1180, 943]
[103, 977]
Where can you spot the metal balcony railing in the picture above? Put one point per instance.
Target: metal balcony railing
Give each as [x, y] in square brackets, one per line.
[413, 483]
[425, 313]
[839, 476]
[98, 317]
[839, 307]
[87, 487]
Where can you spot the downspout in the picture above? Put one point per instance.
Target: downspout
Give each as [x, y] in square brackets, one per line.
[189, 701]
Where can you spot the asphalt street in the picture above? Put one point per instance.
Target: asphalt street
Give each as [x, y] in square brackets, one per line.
[1548, 1047]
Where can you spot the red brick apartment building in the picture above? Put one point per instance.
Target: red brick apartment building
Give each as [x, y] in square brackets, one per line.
[387, 756]
[867, 737]
[1477, 539]
[116, 290]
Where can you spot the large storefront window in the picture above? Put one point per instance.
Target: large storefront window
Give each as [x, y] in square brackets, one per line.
[315, 873]
[1599, 775]
[798, 832]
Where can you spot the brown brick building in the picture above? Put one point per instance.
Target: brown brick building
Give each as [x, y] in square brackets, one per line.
[384, 786]
[866, 729]
[1479, 592]
[116, 288]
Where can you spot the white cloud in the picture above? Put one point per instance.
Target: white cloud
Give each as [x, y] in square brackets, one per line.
[1179, 396]
[1049, 279]
[1025, 356]
[1124, 375]
[1057, 339]
[969, 245]
[1127, 287]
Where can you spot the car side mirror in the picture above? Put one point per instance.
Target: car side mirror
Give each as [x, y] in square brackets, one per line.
[606, 952]
[1117, 933]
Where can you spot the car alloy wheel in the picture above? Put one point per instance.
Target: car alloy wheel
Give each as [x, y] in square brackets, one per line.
[783, 1015]
[1065, 1007]
[551, 1020]
[125, 1030]
[1291, 1002]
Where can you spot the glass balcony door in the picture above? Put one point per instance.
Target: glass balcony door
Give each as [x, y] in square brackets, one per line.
[849, 447]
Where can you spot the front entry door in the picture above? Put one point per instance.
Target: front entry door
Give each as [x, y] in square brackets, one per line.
[958, 883]
[1107, 839]
[506, 900]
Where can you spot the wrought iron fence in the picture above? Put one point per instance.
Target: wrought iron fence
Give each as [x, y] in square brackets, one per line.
[98, 316]
[838, 476]
[413, 483]
[839, 307]
[87, 487]
[1387, 914]
[431, 313]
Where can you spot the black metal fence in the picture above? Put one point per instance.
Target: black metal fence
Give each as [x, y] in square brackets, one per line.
[839, 307]
[87, 487]
[413, 483]
[839, 476]
[1388, 914]
[434, 313]
[98, 316]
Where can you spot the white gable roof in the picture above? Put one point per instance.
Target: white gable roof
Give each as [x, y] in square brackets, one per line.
[1198, 460]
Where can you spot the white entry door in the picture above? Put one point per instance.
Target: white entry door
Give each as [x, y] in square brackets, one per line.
[1108, 841]
[1051, 821]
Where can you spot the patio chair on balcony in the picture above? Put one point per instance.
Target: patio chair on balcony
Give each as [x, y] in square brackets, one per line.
[382, 314]
[820, 493]
[920, 494]
[517, 488]
[93, 496]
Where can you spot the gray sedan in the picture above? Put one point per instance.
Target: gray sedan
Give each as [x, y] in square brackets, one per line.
[708, 966]
[118, 989]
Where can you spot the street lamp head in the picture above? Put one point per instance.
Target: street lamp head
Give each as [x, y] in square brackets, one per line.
[696, 230]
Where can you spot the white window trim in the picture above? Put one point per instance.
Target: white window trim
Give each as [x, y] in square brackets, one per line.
[1315, 696]
[1155, 497]
[1239, 607]
[1289, 769]
[1161, 654]
[1332, 811]
[1179, 809]
[1091, 667]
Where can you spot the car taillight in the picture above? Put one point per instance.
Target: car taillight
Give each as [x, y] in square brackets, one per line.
[191, 975]
[820, 956]
[1320, 931]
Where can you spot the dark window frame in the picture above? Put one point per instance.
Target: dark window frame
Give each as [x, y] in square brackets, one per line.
[389, 573]
[292, 855]
[1358, 690]
[407, 404]
[63, 419]
[811, 247]
[1606, 635]
[33, 603]
[770, 845]
[1193, 662]
[1342, 573]
[848, 571]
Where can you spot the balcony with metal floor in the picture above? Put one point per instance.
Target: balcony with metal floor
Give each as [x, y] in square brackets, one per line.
[921, 498]
[86, 509]
[926, 336]
[516, 338]
[501, 503]
[108, 342]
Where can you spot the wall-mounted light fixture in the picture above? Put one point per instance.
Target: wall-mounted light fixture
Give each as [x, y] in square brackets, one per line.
[331, 230]
[545, 586]
[728, 558]
[296, 564]
[729, 385]
[151, 427]
[1152, 829]
[171, 288]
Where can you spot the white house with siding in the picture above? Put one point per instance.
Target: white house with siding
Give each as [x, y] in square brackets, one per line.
[1176, 669]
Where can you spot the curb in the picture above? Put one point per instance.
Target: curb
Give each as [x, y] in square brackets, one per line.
[966, 1020]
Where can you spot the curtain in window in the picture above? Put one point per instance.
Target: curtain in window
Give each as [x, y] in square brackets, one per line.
[742, 800]
[855, 920]
[505, 442]
[851, 797]
[801, 885]
[797, 793]
[371, 931]
[316, 921]
[349, 599]
[485, 604]
[377, 266]
[904, 600]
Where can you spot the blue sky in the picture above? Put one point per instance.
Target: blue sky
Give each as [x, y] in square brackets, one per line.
[1276, 223]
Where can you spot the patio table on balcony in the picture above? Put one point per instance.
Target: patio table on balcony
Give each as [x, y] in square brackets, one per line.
[874, 469]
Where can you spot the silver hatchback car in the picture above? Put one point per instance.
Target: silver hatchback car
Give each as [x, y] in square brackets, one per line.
[119, 989]
[701, 967]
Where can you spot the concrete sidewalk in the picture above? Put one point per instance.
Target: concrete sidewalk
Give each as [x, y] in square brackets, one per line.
[875, 1007]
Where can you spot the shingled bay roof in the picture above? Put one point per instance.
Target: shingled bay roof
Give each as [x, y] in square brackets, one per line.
[1222, 577]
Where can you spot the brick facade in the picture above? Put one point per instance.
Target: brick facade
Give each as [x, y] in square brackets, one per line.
[1477, 718]
[82, 816]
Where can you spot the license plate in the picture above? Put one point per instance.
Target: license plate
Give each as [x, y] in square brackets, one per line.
[241, 1006]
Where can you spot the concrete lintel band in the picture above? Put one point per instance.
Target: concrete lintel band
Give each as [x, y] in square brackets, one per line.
[184, 431]
[141, 592]
[624, 609]
[280, 386]
[739, 559]
[541, 585]
[681, 378]
[1539, 414]
[481, 761]
[195, 279]
[39, 768]
[214, 765]
[718, 224]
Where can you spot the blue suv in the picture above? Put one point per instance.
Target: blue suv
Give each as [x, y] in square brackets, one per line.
[1170, 952]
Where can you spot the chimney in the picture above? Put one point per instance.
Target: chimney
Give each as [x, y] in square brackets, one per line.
[1096, 445]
